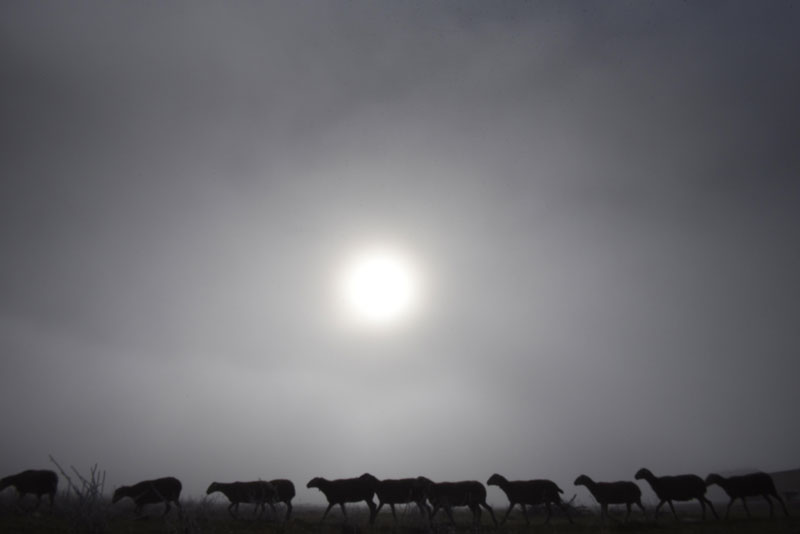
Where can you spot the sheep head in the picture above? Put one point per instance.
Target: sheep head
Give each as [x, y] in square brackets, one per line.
[315, 482]
[582, 480]
[120, 493]
[496, 480]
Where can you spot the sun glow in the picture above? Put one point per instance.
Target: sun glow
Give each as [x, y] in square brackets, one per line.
[379, 286]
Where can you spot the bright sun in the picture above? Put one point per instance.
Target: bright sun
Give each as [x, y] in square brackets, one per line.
[379, 286]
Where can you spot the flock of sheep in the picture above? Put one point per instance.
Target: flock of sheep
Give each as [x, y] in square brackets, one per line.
[429, 496]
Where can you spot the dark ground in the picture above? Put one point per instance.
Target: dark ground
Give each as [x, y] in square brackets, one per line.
[212, 517]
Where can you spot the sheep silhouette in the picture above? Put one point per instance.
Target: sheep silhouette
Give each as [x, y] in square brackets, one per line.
[529, 492]
[286, 493]
[605, 493]
[38, 482]
[259, 492]
[344, 490]
[446, 495]
[752, 485]
[401, 491]
[166, 490]
[676, 488]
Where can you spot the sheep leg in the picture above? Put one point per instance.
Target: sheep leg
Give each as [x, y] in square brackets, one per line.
[641, 507]
[423, 508]
[19, 500]
[435, 510]
[491, 512]
[628, 514]
[231, 507]
[713, 511]
[746, 509]
[771, 508]
[525, 513]
[449, 513]
[660, 504]
[344, 511]
[272, 507]
[549, 512]
[510, 506]
[328, 509]
[373, 510]
[728, 510]
[433, 513]
[783, 504]
[603, 512]
[166, 508]
[703, 506]
[288, 510]
[476, 514]
[564, 509]
[673, 510]
[394, 514]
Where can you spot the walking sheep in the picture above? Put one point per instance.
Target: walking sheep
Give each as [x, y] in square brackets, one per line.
[606, 493]
[676, 488]
[259, 492]
[744, 486]
[286, 493]
[470, 493]
[401, 491]
[37, 482]
[529, 492]
[344, 490]
[166, 490]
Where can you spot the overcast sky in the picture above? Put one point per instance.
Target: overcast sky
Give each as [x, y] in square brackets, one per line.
[602, 198]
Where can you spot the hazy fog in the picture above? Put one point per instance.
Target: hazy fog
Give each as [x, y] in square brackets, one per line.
[603, 197]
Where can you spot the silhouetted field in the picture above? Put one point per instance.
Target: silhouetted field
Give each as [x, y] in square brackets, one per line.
[206, 516]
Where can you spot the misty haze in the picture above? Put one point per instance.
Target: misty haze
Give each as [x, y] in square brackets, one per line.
[287, 240]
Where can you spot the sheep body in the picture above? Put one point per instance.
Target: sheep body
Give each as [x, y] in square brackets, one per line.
[752, 485]
[401, 491]
[529, 492]
[285, 493]
[36, 481]
[166, 490]
[676, 488]
[623, 492]
[446, 495]
[259, 492]
[344, 490]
